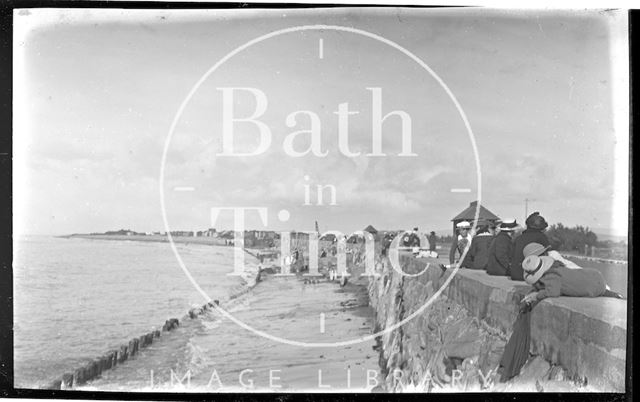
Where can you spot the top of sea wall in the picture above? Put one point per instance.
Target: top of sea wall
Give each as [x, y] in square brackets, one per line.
[586, 336]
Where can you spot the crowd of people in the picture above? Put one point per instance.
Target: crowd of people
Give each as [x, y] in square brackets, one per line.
[504, 248]
[411, 240]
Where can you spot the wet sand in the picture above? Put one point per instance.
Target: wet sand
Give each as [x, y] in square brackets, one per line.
[218, 351]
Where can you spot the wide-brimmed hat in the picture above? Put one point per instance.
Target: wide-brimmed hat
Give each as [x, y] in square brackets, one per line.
[463, 225]
[508, 225]
[534, 249]
[535, 266]
[535, 221]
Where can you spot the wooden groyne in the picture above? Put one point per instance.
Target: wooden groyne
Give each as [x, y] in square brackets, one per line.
[111, 359]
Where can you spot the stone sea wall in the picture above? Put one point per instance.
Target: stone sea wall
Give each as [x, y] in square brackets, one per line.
[468, 323]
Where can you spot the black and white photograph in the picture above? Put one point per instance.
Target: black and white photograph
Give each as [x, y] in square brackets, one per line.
[320, 199]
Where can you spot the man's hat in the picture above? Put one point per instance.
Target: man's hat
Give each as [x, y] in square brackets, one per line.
[534, 249]
[415, 229]
[463, 225]
[508, 225]
[535, 221]
[534, 267]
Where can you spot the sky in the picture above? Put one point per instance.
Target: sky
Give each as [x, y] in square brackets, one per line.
[97, 93]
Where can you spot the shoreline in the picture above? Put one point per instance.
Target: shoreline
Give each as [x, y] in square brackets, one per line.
[283, 306]
[95, 368]
[152, 239]
[277, 296]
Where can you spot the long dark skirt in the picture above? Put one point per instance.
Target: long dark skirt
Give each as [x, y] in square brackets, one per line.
[516, 351]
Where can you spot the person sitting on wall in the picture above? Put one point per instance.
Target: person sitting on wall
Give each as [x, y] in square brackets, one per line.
[501, 249]
[550, 278]
[461, 243]
[479, 250]
[536, 225]
[540, 250]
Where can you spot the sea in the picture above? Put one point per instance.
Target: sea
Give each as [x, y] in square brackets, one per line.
[75, 299]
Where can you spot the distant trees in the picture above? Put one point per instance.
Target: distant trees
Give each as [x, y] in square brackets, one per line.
[571, 239]
[448, 239]
[120, 232]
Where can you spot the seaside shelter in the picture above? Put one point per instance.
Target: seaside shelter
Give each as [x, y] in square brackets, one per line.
[469, 215]
[371, 230]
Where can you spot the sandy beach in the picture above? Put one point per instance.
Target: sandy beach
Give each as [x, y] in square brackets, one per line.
[282, 306]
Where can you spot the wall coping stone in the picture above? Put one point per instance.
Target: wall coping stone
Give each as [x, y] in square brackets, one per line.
[566, 331]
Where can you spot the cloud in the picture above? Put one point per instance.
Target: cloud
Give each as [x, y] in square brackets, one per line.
[99, 109]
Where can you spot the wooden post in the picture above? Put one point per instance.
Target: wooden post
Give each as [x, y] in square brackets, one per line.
[95, 369]
[133, 347]
[56, 384]
[123, 355]
[114, 358]
[67, 380]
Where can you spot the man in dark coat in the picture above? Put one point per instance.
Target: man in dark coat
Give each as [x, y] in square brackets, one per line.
[386, 242]
[501, 250]
[432, 241]
[534, 233]
[479, 251]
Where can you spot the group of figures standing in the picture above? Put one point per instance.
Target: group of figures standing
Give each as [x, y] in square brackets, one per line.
[496, 249]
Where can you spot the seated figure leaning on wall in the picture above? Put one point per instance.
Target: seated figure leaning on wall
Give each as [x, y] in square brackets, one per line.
[540, 250]
[550, 278]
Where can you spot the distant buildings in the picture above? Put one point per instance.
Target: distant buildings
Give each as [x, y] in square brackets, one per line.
[371, 230]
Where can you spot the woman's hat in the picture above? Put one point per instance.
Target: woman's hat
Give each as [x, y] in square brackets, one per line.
[463, 225]
[508, 225]
[534, 249]
[535, 221]
[535, 266]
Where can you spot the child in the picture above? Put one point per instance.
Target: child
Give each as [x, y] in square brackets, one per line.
[550, 278]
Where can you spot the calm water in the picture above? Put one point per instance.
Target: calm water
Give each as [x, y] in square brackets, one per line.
[75, 299]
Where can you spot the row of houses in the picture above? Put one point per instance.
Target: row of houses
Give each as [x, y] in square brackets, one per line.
[224, 234]
[267, 235]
